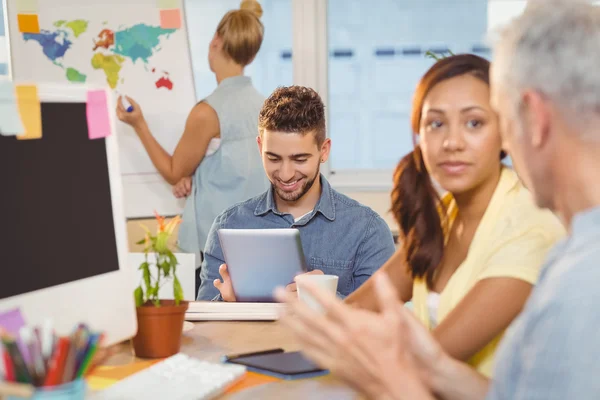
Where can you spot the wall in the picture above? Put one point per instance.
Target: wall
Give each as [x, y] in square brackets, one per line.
[378, 201]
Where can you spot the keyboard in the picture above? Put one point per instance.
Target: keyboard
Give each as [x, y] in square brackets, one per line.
[178, 377]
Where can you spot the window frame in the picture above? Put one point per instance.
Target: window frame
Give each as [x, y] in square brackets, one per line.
[310, 65]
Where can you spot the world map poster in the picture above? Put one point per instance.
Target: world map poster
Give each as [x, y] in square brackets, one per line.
[115, 45]
[110, 50]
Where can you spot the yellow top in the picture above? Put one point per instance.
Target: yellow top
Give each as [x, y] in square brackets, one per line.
[511, 241]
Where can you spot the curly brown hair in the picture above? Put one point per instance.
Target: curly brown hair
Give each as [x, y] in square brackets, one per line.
[294, 109]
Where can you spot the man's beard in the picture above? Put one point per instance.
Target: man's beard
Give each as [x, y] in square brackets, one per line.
[297, 195]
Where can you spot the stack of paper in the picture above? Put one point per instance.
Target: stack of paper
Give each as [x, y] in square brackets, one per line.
[223, 311]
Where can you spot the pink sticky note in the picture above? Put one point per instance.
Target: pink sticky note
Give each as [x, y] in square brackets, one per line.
[97, 114]
[170, 19]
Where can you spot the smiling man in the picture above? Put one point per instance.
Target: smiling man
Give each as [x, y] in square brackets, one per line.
[339, 235]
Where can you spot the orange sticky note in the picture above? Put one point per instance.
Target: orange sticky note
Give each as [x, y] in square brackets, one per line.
[251, 379]
[28, 23]
[170, 19]
[30, 111]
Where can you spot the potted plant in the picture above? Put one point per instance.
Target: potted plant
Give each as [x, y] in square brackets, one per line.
[160, 322]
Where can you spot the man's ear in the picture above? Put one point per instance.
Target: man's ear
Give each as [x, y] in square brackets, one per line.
[537, 113]
[259, 142]
[325, 150]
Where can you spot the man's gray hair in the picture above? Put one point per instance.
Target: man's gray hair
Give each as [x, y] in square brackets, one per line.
[553, 48]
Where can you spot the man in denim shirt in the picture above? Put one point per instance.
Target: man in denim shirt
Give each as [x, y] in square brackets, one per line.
[339, 235]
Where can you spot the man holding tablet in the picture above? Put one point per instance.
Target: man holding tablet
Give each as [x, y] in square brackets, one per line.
[339, 235]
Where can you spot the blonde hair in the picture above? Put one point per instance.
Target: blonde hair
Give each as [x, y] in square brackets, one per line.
[242, 32]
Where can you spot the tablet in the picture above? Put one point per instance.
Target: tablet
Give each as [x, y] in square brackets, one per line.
[259, 260]
[280, 364]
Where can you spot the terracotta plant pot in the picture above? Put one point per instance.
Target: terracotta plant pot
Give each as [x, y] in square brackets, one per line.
[159, 329]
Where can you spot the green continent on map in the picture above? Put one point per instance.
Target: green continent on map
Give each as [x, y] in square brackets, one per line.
[111, 65]
[75, 76]
[78, 26]
[140, 41]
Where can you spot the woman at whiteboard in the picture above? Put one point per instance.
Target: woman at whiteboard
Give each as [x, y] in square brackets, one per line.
[216, 162]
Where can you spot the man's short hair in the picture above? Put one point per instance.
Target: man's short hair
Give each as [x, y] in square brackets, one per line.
[294, 109]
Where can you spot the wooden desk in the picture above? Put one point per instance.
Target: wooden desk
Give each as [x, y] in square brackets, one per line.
[212, 340]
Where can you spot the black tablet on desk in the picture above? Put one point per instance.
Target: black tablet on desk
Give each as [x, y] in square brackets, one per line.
[278, 363]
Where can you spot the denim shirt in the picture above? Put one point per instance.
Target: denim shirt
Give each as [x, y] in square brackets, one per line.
[339, 237]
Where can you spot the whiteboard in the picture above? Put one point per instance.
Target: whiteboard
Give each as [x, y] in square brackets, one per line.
[118, 44]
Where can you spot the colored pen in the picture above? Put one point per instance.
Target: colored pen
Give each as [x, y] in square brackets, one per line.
[9, 369]
[37, 369]
[69, 369]
[82, 349]
[38, 336]
[56, 367]
[77, 342]
[47, 335]
[21, 371]
[91, 351]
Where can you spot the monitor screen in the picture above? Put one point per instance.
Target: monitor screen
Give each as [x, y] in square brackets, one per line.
[57, 219]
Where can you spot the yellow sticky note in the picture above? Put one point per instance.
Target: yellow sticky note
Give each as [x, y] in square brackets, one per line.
[30, 111]
[27, 6]
[28, 23]
[166, 4]
[97, 383]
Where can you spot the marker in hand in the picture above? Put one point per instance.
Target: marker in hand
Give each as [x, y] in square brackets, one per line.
[126, 103]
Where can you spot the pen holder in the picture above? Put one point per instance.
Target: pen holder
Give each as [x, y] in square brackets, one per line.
[75, 390]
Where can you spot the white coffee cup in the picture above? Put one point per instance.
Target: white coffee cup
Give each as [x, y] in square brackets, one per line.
[327, 283]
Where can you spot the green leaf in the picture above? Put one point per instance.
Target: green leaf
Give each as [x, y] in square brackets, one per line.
[432, 55]
[144, 265]
[138, 294]
[177, 290]
[146, 276]
[438, 57]
[152, 293]
[172, 258]
[141, 241]
[166, 267]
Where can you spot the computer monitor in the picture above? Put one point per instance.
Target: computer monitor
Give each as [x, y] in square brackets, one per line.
[63, 246]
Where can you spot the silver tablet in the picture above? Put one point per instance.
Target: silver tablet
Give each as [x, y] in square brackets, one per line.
[259, 260]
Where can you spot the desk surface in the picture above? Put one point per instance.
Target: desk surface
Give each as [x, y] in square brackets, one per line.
[212, 340]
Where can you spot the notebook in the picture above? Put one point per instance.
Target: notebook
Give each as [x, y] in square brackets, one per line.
[224, 311]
